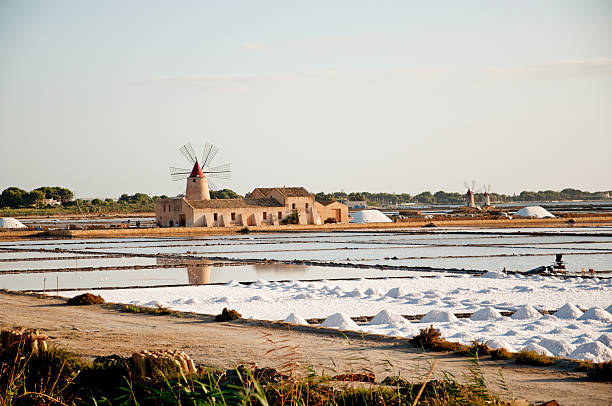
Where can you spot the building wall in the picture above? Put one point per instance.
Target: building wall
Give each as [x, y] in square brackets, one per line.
[248, 216]
[326, 212]
[167, 211]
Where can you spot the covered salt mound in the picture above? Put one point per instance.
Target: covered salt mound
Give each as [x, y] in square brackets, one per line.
[438, 316]
[596, 313]
[495, 275]
[9, 222]
[526, 312]
[296, 319]
[369, 216]
[559, 348]
[568, 311]
[385, 317]
[486, 313]
[340, 321]
[594, 351]
[534, 211]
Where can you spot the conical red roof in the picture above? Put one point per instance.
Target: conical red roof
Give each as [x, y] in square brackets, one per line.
[196, 172]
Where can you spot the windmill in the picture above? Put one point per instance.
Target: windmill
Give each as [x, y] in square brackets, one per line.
[469, 195]
[486, 199]
[198, 178]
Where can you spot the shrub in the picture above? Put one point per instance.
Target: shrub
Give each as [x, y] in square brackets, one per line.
[477, 348]
[500, 353]
[430, 338]
[532, 358]
[85, 299]
[601, 371]
[228, 315]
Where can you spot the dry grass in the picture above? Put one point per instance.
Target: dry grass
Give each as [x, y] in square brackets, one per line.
[228, 315]
[532, 358]
[500, 353]
[599, 371]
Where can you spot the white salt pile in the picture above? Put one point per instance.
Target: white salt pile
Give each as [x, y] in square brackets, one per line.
[341, 321]
[534, 211]
[9, 222]
[568, 311]
[369, 216]
[396, 292]
[495, 275]
[296, 319]
[233, 282]
[496, 343]
[389, 318]
[354, 293]
[372, 292]
[486, 313]
[596, 313]
[438, 316]
[559, 348]
[537, 349]
[526, 312]
[593, 351]
[606, 338]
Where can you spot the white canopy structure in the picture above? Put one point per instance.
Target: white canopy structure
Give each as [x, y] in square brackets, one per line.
[9, 222]
[369, 216]
[534, 211]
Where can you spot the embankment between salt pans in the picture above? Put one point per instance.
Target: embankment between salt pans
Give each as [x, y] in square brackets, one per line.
[580, 221]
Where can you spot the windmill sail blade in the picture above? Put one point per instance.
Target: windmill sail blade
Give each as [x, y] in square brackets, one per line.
[212, 186]
[208, 154]
[179, 173]
[188, 153]
[219, 172]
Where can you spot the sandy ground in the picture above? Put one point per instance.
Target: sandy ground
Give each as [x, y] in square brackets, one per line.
[97, 330]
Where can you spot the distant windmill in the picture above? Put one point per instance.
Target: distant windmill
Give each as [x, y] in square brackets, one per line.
[198, 178]
[469, 195]
[486, 199]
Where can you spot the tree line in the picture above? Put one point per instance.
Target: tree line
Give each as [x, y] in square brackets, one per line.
[442, 197]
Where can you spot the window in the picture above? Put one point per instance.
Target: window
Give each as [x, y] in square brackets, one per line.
[306, 205]
[164, 208]
[193, 180]
[233, 216]
[215, 216]
[293, 206]
[280, 215]
[265, 215]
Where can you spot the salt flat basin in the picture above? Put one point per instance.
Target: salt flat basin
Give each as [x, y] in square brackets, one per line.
[194, 275]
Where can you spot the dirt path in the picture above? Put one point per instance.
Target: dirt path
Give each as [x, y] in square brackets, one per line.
[95, 330]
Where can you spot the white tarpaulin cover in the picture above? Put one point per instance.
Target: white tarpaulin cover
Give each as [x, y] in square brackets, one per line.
[534, 211]
[369, 216]
[9, 222]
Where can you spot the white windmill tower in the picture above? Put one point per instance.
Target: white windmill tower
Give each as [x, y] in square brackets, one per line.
[469, 195]
[486, 199]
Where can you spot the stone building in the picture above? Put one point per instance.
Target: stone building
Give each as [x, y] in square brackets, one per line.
[264, 206]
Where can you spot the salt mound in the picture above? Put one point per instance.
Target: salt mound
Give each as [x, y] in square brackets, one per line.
[396, 292]
[296, 319]
[438, 316]
[9, 222]
[606, 338]
[526, 312]
[568, 311]
[369, 216]
[486, 313]
[494, 275]
[372, 292]
[233, 282]
[387, 317]
[341, 321]
[609, 309]
[593, 351]
[496, 343]
[354, 293]
[534, 211]
[559, 348]
[596, 313]
[537, 349]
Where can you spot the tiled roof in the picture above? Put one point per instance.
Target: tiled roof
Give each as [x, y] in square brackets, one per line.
[233, 203]
[327, 202]
[287, 191]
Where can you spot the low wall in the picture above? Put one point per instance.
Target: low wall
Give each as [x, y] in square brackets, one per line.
[187, 231]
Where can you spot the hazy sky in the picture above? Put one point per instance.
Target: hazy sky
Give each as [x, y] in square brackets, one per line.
[392, 96]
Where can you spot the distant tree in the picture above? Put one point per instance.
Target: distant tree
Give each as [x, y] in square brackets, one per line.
[356, 197]
[97, 202]
[425, 197]
[321, 197]
[33, 198]
[224, 194]
[12, 197]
